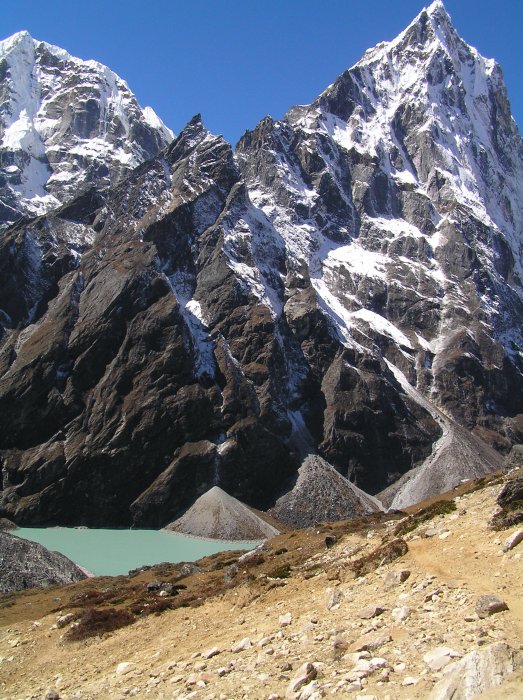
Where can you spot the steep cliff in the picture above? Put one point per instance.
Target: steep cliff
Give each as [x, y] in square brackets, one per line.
[65, 124]
[347, 283]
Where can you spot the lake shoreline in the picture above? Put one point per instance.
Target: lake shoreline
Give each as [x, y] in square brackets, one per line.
[115, 552]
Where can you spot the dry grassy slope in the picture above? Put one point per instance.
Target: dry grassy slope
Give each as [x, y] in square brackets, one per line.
[447, 576]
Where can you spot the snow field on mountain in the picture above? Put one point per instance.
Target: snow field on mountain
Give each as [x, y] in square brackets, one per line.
[50, 98]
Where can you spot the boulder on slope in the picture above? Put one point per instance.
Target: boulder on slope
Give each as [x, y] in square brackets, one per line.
[217, 515]
[25, 564]
[6, 524]
[476, 673]
[514, 459]
[320, 494]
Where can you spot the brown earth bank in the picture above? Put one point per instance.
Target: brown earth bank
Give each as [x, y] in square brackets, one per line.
[383, 607]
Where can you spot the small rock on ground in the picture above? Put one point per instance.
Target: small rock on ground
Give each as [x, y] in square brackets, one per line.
[438, 658]
[242, 645]
[210, 653]
[401, 614]
[306, 673]
[487, 605]
[513, 540]
[395, 577]
[371, 611]
[124, 667]
[285, 619]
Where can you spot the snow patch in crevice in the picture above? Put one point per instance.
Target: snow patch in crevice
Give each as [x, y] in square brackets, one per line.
[293, 182]
[335, 312]
[301, 438]
[356, 259]
[395, 226]
[77, 235]
[253, 248]
[191, 311]
[382, 326]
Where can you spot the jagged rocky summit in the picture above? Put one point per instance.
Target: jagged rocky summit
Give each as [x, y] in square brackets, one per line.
[65, 125]
[346, 283]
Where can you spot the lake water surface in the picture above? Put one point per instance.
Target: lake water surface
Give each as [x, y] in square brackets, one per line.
[114, 552]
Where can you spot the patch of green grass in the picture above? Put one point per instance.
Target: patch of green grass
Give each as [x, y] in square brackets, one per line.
[150, 607]
[424, 515]
[508, 516]
[283, 571]
[96, 622]
[384, 554]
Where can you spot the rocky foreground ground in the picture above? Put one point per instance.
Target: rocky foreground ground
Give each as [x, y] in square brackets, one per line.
[388, 607]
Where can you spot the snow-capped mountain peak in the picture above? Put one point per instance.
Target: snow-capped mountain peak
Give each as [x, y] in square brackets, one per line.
[347, 283]
[65, 123]
[430, 79]
[7, 45]
[400, 181]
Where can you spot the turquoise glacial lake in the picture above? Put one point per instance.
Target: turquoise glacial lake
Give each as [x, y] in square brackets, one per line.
[114, 552]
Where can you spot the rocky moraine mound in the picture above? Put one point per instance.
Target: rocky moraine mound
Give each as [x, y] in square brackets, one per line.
[25, 564]
[220, 516]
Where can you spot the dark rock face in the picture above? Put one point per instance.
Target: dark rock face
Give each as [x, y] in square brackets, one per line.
[29, 565]
[132, 397]
[512, 492]
[6, 524]
[487, 605]
[65, 124]
[339, 285]
[510, 500]
[514, 459]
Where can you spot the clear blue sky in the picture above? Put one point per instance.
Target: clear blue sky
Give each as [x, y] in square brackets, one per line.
[237, 60]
